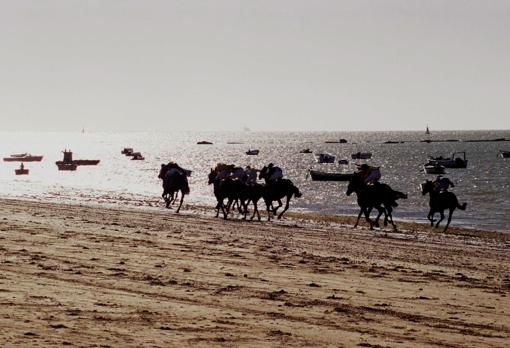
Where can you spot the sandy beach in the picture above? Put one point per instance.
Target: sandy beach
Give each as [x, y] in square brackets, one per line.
[96, 277]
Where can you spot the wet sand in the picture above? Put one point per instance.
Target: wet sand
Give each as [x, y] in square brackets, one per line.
[89, 276]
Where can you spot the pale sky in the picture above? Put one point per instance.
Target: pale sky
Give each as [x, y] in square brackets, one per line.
[268, 65]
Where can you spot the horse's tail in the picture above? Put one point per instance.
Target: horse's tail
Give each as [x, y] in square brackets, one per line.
[462, 207]
[297, 194]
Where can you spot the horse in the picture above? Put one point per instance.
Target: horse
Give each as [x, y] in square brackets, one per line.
[379, 196]
[225, 189]
[439, 201]
[173, 182]
[252, 193]
[275, 191]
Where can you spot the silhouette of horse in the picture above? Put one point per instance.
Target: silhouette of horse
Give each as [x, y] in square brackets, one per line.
[275, 192]
[173, 182]
[439, 201]
[379, 196]
[225, 189]
[252, 193]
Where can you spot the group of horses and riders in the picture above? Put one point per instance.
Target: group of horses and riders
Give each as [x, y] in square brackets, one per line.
[237, 187]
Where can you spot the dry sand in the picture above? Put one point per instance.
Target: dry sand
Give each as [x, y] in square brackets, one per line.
[90, 276]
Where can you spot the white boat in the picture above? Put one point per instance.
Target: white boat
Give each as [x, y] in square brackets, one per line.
[431, 168]
[324, 158]
[457, 160]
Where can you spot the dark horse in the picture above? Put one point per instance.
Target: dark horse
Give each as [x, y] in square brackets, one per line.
[439, 201]
[379, 196]
[173, 182]
[252, 193]
[225, 189]
[275, 191]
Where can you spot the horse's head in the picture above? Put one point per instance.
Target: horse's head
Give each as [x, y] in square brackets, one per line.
[162, 171]
[211, 176]
[426, 187]
[354, 184]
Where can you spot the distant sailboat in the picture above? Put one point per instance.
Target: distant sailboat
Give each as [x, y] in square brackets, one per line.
[83, 131]
[427, 131]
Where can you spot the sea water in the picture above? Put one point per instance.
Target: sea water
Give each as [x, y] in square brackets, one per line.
[119, 181]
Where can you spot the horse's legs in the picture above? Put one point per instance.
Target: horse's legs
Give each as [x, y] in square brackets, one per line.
[359, 217]
[367, 218]
[255, 210]
[389, 218]
[286, 207]
[180, 204]
[279, 205]
[449, 219]
[268, 206]
[381, 210]
[441, 218]
[430, 216]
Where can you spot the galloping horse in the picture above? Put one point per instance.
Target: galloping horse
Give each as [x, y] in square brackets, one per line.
[379, 196]
[439, 201]
[275, 191]
[173, 182]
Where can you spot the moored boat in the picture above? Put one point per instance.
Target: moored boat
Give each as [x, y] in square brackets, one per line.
[21, 171]
[325, 176]
[23, 157]
[306, 151]
[324, 158]
[431, 168]
[252, 152]
[204, 142]
[137, 156]
[86, 162]
[457, 160]
[128, 151]
[361, 155]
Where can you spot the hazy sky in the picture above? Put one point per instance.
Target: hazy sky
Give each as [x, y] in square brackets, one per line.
[268, 65]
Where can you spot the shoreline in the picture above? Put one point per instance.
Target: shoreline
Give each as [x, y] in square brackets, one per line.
[94, 276]
[157, 206]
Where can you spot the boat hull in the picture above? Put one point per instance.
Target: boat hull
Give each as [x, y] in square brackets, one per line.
[24, 159]
[80, 162]
[67, 166]
[21, 171]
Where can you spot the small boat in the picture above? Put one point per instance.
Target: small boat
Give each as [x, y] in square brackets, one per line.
[234, 142]
[128, 151]
[252, 152]
[361, 155]
[23, 157]
[203, 142]
[341, 141]
[21, 170]
[343, 161]
[325, 176]
[427, 131]
[452, 162]
[504, 154]
[431, 168]
[306, 151]
[137, 156]
[324, 158]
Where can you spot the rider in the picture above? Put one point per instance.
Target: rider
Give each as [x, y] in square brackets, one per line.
[237, 173]
[250, 176]
[274, 173]
[369, 175]
[442, 184]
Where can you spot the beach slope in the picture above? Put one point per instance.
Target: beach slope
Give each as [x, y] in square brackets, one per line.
[91, 276]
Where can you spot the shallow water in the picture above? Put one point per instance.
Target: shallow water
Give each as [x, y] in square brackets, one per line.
[484, 185]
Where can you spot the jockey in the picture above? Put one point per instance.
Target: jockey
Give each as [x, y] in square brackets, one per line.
[250, 176]
[274, 173]
[442, 184]
[237, 173]
[369, 175]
